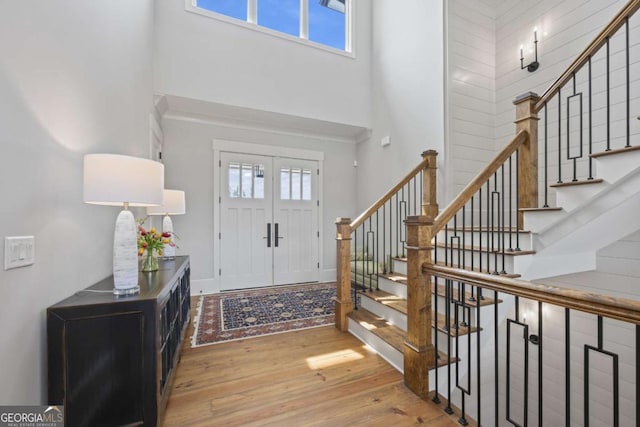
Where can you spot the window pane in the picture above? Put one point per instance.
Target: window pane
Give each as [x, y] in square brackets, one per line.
[233, 8]
[258, 181]
[234, 180]
[285, 190]
[306, 184]
[280, 15]
[247, 181]
[326, 25]
[295, 184]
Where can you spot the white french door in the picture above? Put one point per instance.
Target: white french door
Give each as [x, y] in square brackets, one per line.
[268, 221]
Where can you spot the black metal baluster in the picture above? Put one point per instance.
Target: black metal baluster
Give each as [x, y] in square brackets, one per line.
[608, 100]
[559, 136]
[478, 350]
[447, 313]
[517, 200]
[567, 367]
[540, 364]
[436, 398]
[480, 227]
[369, 257]
[494, 230]
[408, 208]
[510, 208]
[637, 376]
[626, 30]
[397, 225]
[415, 198]
[546, 156]
[376, 259]
[355, 269]
[575, 159]
[385, 268]
[495, 356]
[590, 124]
[502, 224]
[403, 217]
[364, 257]
[489, 225]
[472, 249]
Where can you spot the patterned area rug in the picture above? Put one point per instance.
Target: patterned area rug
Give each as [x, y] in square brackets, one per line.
[238, 315]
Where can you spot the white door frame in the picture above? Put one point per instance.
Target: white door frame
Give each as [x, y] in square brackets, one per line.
[220, 145]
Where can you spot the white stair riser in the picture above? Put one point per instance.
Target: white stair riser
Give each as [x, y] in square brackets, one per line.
[395, 288]
[573, 196]
[386, 351]
[485, 239]
[389, 314]
[537, 221]
[400, 266]
[477, 258]
[612, 168]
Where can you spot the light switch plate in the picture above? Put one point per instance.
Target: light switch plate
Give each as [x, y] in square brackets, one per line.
[19, 251]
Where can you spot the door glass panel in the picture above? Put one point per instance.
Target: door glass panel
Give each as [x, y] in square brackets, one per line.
[306, 184]
[285, 184]
[234, 180]
[258, 180]
[247, 181]
[296, 179]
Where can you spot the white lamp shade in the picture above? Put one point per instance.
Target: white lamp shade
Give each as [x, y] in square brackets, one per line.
[112, 179]
[174, 204]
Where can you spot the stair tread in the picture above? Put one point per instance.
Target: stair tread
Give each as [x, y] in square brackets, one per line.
[572, 183]
[550, 209]
[399, 304]
[616, 151]
[389, 333]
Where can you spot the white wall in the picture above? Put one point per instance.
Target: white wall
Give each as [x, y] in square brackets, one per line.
[622, 258]
[203, 58]
[188, 154]
[407, 91]
[470, 97]
[75, 77]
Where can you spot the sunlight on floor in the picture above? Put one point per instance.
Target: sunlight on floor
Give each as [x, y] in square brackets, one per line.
[331, 359]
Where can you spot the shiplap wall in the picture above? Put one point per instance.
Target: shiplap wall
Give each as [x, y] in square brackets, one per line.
[564, 29]
[470, 51]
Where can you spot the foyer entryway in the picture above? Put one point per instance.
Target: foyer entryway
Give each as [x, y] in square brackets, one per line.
[268, 210]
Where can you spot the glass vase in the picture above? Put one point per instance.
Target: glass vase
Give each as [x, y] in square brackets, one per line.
[150, 261]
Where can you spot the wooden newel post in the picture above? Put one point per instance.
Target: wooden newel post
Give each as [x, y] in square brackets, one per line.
[527, 119]
[344, 304]
[429, 187]
[419, 354]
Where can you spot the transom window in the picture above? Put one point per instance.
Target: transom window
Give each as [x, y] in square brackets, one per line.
[325, 22]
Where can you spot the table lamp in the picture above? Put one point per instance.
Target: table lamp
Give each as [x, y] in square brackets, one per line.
[174, 204]
[116, 180]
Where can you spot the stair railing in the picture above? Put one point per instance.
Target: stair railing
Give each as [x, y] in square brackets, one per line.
[558, 352]
[587, 110]
[367, 246]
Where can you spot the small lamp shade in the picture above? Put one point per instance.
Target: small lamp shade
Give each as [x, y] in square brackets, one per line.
[174, 204]
[112, 179]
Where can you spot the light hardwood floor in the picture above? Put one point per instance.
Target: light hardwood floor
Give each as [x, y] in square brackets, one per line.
[313, 377]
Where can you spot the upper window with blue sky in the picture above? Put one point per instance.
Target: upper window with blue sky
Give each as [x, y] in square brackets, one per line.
[322, 22]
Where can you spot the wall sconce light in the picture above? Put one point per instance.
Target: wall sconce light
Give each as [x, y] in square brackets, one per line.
[534, 64]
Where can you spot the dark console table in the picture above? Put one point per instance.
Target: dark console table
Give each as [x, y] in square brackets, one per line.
[111, 359]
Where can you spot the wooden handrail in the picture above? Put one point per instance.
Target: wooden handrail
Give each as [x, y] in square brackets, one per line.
[384, 199]
[613, 26]
[458, 203]
[622, 309]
